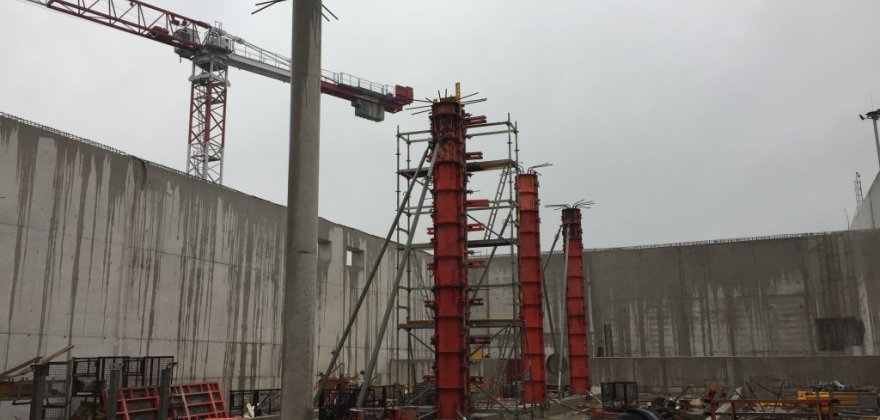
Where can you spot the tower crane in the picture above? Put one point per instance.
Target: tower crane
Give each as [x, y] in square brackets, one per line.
[212, 51]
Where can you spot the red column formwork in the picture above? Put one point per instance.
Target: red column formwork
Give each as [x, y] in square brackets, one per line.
[451, 365]
[531, 294]
[576, 306]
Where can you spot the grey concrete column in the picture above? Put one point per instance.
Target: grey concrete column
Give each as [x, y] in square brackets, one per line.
[164, 393]
[39, 395]
[113, 392]
[301, 242]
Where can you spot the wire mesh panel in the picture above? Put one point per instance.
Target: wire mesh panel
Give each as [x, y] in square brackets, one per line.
[90, 377]
[617, 395]
[90, 374]
[145, 371]
[265, 401]
[422, 394]
[53, 413]
[57, 379]
[56, 402]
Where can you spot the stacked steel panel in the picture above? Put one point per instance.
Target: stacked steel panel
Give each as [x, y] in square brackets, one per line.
[195, 401]
[576, 313]
[451, 364]
[531, 295]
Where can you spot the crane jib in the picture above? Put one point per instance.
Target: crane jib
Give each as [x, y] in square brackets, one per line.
[190, 36]
[141, 19]
[212, 51]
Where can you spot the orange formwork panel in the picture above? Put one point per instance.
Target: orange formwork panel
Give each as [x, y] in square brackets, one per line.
[531, 293]
[451, 362]
[194, 401]
[575, 302]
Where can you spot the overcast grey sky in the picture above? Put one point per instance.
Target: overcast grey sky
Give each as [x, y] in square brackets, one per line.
[684, 120]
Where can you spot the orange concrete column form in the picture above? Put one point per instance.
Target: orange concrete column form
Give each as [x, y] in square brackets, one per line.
[451, 359]
[531, 295]
[576, 306]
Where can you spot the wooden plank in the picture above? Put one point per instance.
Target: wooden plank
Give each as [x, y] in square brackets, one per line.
[49, 358]
[4, 375]
[41, 361]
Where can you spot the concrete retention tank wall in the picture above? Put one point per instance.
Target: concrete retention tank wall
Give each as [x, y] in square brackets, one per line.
[673, 374]
[726, 303]
[119, 256]
[801, 295]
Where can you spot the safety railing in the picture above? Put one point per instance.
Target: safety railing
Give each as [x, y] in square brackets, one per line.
[346, 79]
[253, 52]
[245, 49]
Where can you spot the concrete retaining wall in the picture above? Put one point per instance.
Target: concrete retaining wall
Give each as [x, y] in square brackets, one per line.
[675, 373]
[123, 257]
[807, 295]
[804, 295]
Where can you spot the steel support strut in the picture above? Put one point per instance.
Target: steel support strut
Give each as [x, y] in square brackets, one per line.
[451, 364]
[576, 313]
[402, 267]
[334, 356]
[531, 294]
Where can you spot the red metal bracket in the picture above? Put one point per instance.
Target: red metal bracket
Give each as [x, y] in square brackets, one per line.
[475, 227]
[479, 339]
[476, 263]
[475, 120]
[473, 155]
[481, 202]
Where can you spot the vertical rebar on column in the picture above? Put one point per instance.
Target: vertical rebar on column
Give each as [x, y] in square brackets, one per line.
[576, 313]
[451, 365]
[531, 293]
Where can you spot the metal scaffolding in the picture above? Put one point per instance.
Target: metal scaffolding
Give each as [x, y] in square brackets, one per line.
[492, 329]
